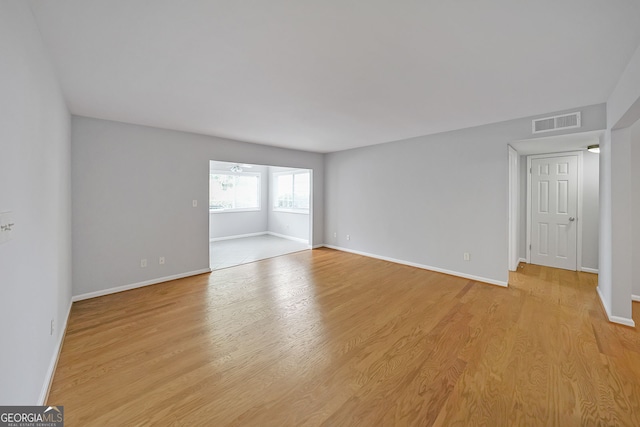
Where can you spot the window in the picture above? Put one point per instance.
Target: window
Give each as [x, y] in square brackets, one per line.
[230, 192]
[292, 191]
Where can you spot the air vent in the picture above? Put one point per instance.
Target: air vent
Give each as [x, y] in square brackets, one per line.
[565, 121]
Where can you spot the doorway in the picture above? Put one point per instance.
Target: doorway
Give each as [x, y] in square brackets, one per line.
[257, 212]
[586, 219]
[554, 209]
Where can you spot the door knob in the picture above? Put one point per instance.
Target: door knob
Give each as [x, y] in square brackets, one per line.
[571, 218]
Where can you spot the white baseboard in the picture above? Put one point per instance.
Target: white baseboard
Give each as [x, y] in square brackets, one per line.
[238, 236]
[284, 236]
[614, 319]
[424, 267]
[635, 298]
[522, 260]
[48, 379]
[321, 245]
[138, 285]
[589, 270]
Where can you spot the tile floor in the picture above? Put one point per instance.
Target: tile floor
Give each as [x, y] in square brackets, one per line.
[228, 253]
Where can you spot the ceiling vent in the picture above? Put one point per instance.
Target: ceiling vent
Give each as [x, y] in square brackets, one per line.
[564, 121]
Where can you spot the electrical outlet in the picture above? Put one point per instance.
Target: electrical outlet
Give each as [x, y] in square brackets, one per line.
[466, 256]
[348, 236]
[53, 327]
[143, 263]
[335, 235]
[161, 260]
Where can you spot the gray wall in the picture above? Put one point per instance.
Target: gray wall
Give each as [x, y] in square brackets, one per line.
[635, 208]
[522, 209]
[226, 224]
[132, 192]
[590, 209]
[427, 200]
[286, 223]
[35, 281]
[616, 263]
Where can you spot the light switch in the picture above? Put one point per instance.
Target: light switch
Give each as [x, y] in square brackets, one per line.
[7, 224]
[195, 203]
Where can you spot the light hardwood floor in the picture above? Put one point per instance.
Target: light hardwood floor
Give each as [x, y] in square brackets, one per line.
[329, 338]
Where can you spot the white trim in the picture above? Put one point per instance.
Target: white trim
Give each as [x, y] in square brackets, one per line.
[522, 260]
[589, 270]
[138, 285]
[284, 236]
[513, 214]
[237, 236]
[528, 209]
[292, 211]
[635, 298]
[579, 154]
[424, 267]
[235, 210]
[48, 379]
[322, 245]
[614, 319]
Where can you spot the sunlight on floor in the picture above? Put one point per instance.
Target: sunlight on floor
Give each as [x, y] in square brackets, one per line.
[228, 253]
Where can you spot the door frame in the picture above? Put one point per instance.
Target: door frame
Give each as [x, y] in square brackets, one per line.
[579, 154]
[513, 214]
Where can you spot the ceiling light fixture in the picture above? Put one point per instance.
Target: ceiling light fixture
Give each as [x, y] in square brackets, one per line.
[594, 148]
[236, 168]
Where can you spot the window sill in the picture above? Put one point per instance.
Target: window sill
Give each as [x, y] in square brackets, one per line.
[294, 211]
[219, 211]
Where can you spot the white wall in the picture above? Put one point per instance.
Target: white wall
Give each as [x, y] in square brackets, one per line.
[132, 192]
[286, 223]
[429, 199]
[35, 281]
[226, 224]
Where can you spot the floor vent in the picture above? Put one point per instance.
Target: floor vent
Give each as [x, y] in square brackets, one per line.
[564, 121]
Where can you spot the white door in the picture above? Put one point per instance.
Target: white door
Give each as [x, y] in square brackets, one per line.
[554, 207]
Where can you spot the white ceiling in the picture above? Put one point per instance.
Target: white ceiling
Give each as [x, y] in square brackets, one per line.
[329, 75]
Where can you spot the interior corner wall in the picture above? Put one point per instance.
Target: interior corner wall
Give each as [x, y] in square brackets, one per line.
[429, 199]
[621, 244]
[35, 265]
[290, 224]
[616, 185]
[133, 188]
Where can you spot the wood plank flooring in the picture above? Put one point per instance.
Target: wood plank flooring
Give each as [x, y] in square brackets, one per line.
[329, 338]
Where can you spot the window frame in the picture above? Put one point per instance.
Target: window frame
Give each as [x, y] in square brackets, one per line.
[230, 173]
[304, 211]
